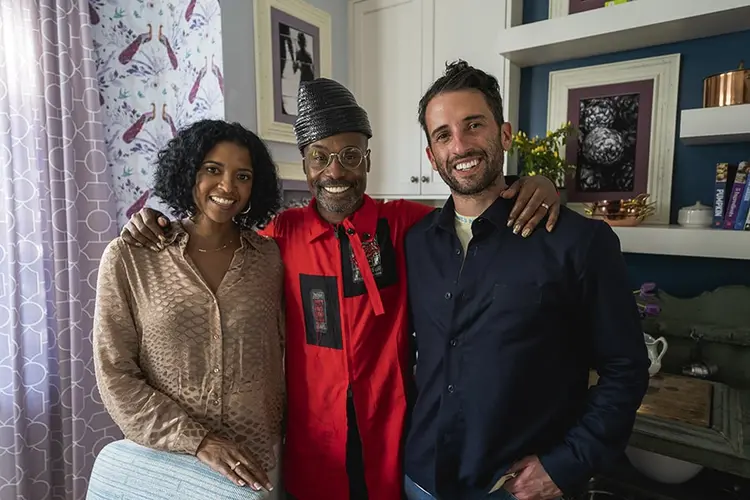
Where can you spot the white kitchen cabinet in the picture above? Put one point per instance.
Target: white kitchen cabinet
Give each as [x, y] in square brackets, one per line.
[398, 48]
[388, 78]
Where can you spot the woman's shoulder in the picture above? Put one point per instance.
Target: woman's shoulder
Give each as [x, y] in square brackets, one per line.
[261, 242]
[115, 250]
[127, 254]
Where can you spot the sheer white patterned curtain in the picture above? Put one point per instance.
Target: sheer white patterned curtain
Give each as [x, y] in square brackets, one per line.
[57, 213]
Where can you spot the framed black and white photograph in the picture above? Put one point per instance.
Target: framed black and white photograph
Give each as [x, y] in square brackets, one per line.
[612, 150]
[626, 113]
[295, 51]
[292, 45]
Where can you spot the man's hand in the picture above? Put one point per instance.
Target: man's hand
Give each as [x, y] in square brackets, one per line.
[532, 481]
[146, 229]
[537, 197]
[233, 462]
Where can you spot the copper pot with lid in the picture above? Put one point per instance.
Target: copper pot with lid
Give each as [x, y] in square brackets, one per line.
[727, 89]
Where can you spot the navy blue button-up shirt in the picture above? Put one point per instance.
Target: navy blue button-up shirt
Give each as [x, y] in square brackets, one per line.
[505, 337]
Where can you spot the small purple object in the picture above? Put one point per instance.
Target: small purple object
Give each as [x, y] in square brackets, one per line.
[652, 309]
[648, 289]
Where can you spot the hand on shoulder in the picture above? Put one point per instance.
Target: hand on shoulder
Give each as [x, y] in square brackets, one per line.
[146, 228]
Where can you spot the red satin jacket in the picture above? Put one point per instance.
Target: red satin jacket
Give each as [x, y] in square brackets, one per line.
[347, 326]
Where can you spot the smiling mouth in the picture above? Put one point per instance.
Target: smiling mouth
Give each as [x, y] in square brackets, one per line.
[467, 165]
[336, 189]
[222, 202]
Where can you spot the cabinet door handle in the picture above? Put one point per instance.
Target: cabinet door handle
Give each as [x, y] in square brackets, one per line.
[414, 179]
[425, 178]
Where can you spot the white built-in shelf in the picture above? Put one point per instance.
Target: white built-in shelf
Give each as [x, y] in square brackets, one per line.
[689, 242]
[715, 125]
[633, 25]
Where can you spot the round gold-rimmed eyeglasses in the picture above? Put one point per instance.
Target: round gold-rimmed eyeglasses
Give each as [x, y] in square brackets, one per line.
[350, 157]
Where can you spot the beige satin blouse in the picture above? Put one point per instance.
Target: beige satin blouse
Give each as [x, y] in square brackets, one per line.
[174, 361]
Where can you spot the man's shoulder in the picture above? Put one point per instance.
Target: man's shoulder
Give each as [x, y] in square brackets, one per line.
[399, 208]
[289, 220]
[421, 227]
[576, 230]
[571, 220]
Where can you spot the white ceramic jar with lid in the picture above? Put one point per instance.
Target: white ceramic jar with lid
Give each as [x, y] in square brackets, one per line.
[697, 215]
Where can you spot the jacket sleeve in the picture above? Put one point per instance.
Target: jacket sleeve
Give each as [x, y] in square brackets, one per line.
[145, 415]
[619, 353]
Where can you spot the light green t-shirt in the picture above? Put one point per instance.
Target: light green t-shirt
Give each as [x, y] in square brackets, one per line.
[463, 229]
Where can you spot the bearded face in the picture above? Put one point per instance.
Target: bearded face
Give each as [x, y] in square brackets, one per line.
[466, 144]
[336, 169]
[474, 170]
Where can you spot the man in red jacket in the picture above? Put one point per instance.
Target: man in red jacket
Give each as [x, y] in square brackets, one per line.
[348, 354]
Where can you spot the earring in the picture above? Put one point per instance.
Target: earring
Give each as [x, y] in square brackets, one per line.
[244, 212]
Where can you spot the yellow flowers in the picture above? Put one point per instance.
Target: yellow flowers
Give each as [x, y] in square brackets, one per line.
[541, 155]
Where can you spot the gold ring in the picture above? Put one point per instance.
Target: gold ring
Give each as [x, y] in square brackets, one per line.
[546, 207]
[236, 465]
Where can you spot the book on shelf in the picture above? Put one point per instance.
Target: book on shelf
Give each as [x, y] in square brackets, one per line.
[732, 196]
[743, 212]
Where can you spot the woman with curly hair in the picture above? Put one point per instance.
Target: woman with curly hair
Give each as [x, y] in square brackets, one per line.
[188, 342]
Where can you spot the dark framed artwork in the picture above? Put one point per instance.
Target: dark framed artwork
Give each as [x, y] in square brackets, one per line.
[575, 6]
[296, 48]
[292, 45]
[611, 153]
[627, 114]
[561, 8]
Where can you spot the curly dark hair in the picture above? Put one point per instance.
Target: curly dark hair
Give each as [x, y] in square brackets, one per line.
[459, 75]
[178, 163]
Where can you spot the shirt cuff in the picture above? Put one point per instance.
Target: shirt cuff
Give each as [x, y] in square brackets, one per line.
[565, 470]
[191, 438]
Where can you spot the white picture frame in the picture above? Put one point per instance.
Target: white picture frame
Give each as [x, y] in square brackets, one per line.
[291, 171]
[274, 125]
[558, 8]
[665, 72]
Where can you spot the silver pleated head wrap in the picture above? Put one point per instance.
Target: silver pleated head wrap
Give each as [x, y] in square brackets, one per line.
[326, 108]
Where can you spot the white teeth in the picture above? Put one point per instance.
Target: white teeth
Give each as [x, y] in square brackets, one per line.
[221, 201]
[467, 165]
[336, 189]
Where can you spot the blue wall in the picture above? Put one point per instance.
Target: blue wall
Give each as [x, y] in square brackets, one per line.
[693, 175]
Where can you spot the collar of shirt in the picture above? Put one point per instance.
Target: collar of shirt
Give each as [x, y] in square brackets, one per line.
[364, 220]
[359, 227]
[497, 214]
[178, 234]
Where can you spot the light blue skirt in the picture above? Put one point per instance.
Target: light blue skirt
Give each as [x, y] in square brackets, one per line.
[124, 470]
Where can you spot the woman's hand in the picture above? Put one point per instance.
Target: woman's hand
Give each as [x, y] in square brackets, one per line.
[233, 462]
[146, 229]
[537, 199]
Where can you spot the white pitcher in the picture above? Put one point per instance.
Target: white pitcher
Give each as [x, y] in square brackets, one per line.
[654, 354]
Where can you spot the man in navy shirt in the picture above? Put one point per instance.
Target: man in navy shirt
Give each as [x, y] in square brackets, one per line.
[503, 408]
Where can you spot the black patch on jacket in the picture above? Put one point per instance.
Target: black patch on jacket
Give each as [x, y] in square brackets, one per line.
[381, 256]
[320, 303]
